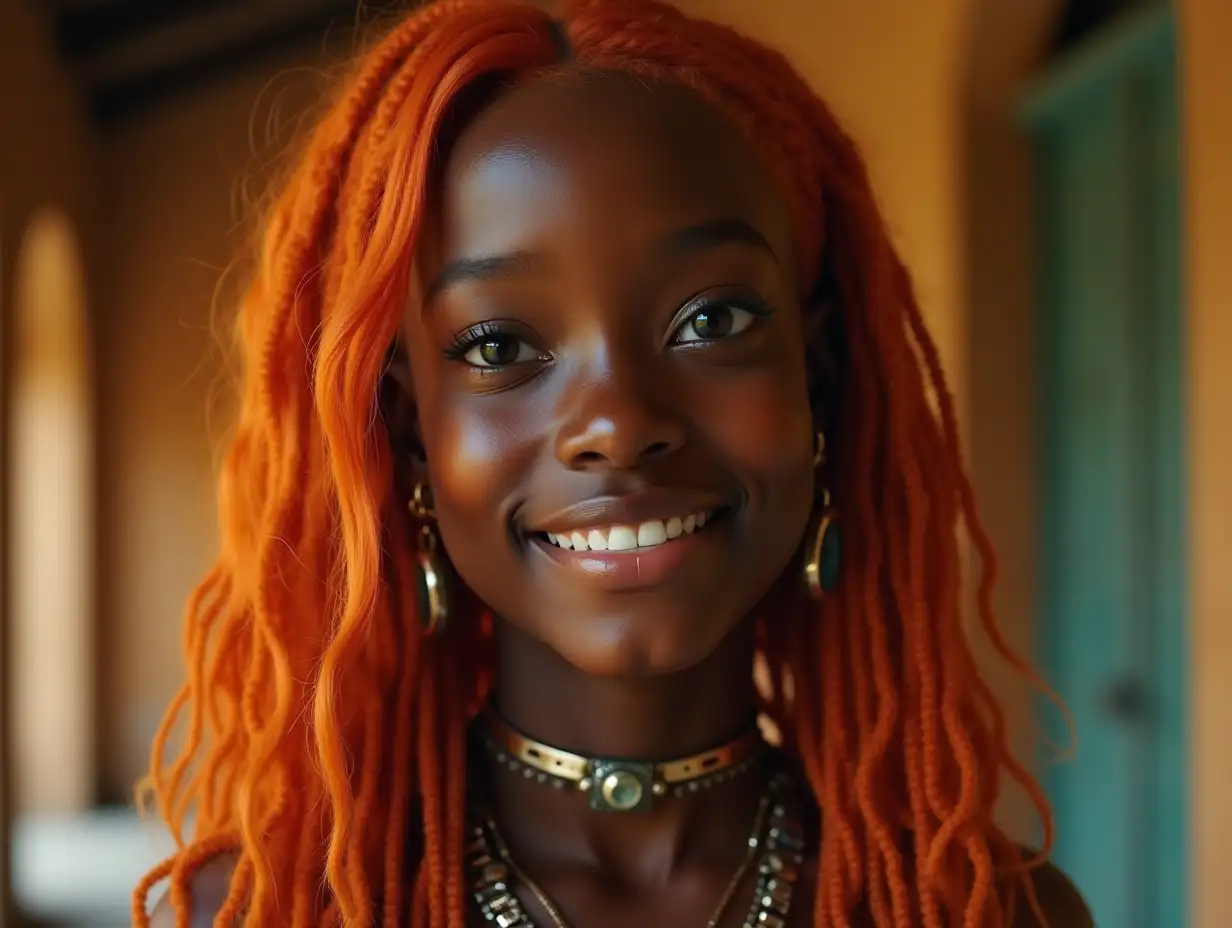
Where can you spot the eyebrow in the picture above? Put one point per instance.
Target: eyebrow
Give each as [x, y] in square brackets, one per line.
[676, 244]
[477, 270]
[713, 234]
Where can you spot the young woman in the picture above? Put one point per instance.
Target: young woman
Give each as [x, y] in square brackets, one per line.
[589, 528]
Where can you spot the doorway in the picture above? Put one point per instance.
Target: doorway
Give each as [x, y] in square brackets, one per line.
[1112, 615]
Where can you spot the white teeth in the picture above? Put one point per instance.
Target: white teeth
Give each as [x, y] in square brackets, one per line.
[650, 534]
[622, 538]
[627, 537]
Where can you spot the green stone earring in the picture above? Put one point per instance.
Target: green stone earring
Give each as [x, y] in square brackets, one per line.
[821, 567]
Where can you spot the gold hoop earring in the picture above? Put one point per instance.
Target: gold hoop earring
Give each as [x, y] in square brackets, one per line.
[824, 556]
[433, 592]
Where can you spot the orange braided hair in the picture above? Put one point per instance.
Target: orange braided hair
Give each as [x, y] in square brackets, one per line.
[323, 733]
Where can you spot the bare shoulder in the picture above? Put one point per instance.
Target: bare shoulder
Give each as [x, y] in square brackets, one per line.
[208, 890]
[1062, 904]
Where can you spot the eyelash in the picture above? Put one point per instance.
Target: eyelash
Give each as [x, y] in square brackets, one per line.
[474, 335]
[470, 337]
[755, 306]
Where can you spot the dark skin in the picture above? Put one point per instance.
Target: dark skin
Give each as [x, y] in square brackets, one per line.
[613, 331]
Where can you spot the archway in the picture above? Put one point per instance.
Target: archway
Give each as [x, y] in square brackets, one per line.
[50, 664]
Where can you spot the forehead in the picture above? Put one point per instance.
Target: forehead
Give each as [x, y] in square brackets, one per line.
[637, 156]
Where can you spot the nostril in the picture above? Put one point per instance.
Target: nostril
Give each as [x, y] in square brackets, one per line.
[656, 449]
[612, 449]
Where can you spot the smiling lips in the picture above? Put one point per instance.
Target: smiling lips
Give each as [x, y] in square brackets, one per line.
[629, 537]
[629, 555]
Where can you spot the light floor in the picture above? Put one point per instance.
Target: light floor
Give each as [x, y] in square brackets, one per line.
[79, 871]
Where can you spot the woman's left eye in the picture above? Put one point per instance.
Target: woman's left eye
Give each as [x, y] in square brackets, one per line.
[715, 321]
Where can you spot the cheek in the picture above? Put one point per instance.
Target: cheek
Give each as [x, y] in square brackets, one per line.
[766, 427]
[478, 453]
[468, 439]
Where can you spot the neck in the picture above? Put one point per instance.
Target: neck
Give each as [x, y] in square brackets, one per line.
[651, 719]
[648, 718]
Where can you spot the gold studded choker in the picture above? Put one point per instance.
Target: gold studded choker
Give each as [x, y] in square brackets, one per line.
[618, 784]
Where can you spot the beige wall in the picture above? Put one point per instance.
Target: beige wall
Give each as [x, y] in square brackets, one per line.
[1007, 41]
[1206, 38]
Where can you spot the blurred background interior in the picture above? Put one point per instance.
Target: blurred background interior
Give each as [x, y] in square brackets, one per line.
[1057, 173]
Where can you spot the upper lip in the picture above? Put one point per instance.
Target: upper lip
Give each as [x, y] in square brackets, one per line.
[647, 505]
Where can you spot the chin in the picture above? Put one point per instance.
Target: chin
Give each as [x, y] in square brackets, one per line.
[650, 643]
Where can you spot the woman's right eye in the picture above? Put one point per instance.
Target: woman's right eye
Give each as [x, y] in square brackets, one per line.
[497, 351]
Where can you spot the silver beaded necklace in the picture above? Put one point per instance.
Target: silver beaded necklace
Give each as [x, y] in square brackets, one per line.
[776, 843]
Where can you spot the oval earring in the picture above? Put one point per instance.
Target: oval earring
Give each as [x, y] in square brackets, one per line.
[824, 555]
[821, 565]
[433, 592]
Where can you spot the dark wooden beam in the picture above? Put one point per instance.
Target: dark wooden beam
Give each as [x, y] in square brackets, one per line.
[134, 78]
[86, 28]
[213, 29]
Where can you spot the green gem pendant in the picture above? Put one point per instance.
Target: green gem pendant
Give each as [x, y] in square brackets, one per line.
[622, 790]
[621, 786]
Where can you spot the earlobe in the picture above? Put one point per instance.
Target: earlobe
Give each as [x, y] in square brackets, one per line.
[410, 471]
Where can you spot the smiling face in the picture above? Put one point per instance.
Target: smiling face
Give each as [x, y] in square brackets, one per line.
[609, 373]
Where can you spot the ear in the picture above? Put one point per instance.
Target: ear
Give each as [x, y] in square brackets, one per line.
[396, 398]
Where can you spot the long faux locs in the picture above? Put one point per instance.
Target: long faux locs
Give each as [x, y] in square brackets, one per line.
[322, 737]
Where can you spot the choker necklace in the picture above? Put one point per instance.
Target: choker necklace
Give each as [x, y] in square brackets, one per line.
[618, 784]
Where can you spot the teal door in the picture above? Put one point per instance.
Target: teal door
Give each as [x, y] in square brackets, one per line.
[1113, 612]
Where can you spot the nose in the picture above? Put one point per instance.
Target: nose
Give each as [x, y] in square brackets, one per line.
[616, 424]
